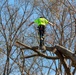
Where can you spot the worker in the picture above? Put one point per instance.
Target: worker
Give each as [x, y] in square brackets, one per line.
[41, 22]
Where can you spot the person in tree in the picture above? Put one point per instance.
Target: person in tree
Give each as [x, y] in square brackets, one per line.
[41, 22]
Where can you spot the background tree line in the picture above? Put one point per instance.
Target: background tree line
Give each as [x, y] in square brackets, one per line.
[15, 17]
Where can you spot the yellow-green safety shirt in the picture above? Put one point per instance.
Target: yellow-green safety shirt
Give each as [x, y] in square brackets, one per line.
[41, 21]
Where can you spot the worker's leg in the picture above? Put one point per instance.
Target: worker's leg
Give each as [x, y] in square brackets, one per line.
[41, 33]
[43, 46]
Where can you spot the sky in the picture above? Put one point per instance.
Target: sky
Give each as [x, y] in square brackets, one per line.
[12, 2]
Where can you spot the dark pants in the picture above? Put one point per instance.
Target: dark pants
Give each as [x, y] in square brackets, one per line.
[41, 29]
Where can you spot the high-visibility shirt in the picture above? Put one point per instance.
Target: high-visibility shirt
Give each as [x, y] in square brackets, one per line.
[41, 21]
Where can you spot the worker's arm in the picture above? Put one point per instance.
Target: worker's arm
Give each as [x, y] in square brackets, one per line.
[51, 24]
[30, 23]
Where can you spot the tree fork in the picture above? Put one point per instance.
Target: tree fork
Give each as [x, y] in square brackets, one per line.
[59, 50]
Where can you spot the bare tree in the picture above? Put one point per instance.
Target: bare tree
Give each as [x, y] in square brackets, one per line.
[14, 20]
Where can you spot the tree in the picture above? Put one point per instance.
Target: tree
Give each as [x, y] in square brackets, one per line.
[11, 21]
[14, 20]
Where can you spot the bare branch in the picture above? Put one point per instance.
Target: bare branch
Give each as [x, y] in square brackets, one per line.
[42, 55]
[67, 53]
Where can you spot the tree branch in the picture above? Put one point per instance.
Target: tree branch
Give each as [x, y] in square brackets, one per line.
[65, 52]
[63, 61]
[42, 55]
